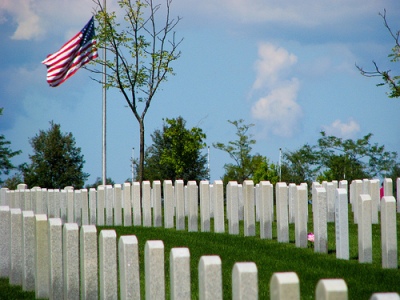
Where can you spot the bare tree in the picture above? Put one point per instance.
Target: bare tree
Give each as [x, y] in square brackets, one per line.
[393, 81]
[141, 54]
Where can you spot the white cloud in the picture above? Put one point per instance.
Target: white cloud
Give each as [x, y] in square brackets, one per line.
[28, 22]
[279, 111]
[276, 108]
[36, 19]
[343, 130]
[272, 61]
[306, 13]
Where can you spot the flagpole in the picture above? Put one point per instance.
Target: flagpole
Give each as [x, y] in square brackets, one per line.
[208, 162]
[104, 176]
[280, 164]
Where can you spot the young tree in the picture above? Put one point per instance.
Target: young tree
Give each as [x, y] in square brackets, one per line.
[141, 55]
[300, 165]
[13, 181]
[176, 153]
[392, 81]
[98, 182]
[240, 151]
[334, 158]
[349, 159]
[6, 154]
[264, 170]
[56, 162]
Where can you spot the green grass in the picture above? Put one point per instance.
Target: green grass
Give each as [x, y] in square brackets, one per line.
[13, 292]
[269, 255]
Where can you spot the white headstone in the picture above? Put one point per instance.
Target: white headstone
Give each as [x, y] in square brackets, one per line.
[385, 296]
[127, 204]
[210, 278]
[109, 205]
[18, 202]
[180, 205]
[375, 198]
[364, 229]
[70, 206]
[85, 207]
[319, 221]
[232, 197]
[117, 205]
[57, 203]
[355, 192]
[136, 204]
[186, 200]
[71, 260]
[256, 201]
[343, 184]
[41, 257]
[28, 250]
[11, 196]
[128, 260]
[157, 208]
[5, 241]
[388, 187]
[212, 198]
[292, 189]
[193, 201]
[88, 262]
[179, 263]
[342, 224]
[22, 199]
[389, 232]
[146, 203]
[101, 205]
[108, 264]
[205, 206]
[154, 270]
[301, 209]
[219, 215]
[241, 203]
[51, 205]
[3, 197]
[282, 218]
[92, 206]
[398, 194]
[284, 286]
[330, 201]
[244, 281]
[28, 200]
[56, 259]
[329, 289]
[313, 193]
[168, 204]
[63, 205]
[266, 209]
[249, 214]
[37, 200]
[15, 246]
[77, 207]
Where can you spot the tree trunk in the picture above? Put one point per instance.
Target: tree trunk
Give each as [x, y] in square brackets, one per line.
[141, 159]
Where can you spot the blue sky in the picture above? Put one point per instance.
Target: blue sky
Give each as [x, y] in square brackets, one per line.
[286, 66]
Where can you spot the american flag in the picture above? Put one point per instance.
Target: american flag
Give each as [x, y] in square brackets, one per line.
[77, 52]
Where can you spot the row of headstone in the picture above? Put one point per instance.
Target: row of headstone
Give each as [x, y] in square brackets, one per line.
[364, 209]
[141, 205]
[63, 261]
[258, 205]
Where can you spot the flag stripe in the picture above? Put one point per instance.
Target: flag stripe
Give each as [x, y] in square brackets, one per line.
[78, 62]
[75, 53]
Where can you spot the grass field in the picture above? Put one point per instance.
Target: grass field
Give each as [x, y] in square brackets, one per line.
[269, 255]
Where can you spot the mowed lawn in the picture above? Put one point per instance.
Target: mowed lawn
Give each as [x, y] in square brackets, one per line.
[270, 257]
